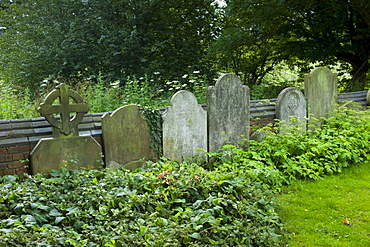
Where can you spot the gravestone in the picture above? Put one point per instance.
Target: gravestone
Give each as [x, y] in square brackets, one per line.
[321, 93]
[291, 108]
[228, 112]
[126, 138]
[184, 128]
[66, 148]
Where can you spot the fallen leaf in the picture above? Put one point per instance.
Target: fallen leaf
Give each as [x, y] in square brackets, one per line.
[346, 222]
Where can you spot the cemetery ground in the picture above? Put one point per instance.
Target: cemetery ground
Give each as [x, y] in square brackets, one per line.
[334, 211]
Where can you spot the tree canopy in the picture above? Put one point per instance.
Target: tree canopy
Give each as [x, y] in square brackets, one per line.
[312, 31]
[77, 39]
[117, 38]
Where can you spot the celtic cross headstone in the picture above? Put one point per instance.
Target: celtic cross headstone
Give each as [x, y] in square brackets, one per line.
[67, 126]
[66, 148]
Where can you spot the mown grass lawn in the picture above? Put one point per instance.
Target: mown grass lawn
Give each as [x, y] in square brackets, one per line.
[334, 211]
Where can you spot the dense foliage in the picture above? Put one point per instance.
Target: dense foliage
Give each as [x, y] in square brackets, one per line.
[103, 96]
[342, 141]
[313, 31]
[74, 40]
[165, 204]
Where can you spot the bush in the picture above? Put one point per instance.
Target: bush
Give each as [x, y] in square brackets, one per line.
[343, 140]
[165, 204]
[14, 105]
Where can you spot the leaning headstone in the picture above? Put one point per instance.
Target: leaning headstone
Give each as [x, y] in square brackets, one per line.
[184, 128]
[321, 92]
[228, 112]
[291, 108]
[66, 148]
[126, 138]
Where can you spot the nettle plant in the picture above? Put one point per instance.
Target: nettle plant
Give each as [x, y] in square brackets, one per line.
[164, 204]
[343, 140]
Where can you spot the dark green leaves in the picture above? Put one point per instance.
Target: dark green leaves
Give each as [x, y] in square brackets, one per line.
[139, 207]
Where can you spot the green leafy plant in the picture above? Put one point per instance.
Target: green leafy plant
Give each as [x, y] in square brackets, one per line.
[342, 141]
[15, 105]
[154, 119]
[165, 204]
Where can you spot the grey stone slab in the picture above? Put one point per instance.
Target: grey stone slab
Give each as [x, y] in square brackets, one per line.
[96, 132]
[23, 132]
[40, 124]
[228, 112]
[6, 134]
[321, 91]
[85, 126]
[13, 141]
[184, 128]
[76, 152]
[43, 130]
[5, 126]
[85, 132]
[291, 104]
[35, 139]
[97, 125]
[87, 119]
[22, 125]
[126, 138]
[20, 120]
[4, 122]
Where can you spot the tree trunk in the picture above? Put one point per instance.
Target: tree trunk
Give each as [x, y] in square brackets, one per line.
[359, 76]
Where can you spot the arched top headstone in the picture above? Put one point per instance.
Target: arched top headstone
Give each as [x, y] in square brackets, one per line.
[368, 97]
[321, 92]
[66, 126]
[228, 112]
[228, 82]
[291, 103]
[184, 127]
[182, 99]
[126, 137]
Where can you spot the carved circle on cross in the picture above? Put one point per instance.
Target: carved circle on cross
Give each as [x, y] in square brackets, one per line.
[66, 123]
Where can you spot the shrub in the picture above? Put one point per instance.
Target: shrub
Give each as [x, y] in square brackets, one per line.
[165, 204]
[342, 141]
[14, 105]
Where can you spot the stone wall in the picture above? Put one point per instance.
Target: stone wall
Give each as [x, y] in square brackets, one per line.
[18, 137]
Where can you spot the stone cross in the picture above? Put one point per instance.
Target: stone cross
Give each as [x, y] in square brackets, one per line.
[67, 126]
[67, 149]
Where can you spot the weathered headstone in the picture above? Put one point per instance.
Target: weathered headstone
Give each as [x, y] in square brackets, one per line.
[184, 128]
[291, 104]
[126, 138]
[66, 148]
[228, 112]
[321, 92]
[368, 97]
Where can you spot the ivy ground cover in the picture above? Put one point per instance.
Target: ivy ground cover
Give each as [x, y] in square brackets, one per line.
[165, 204]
